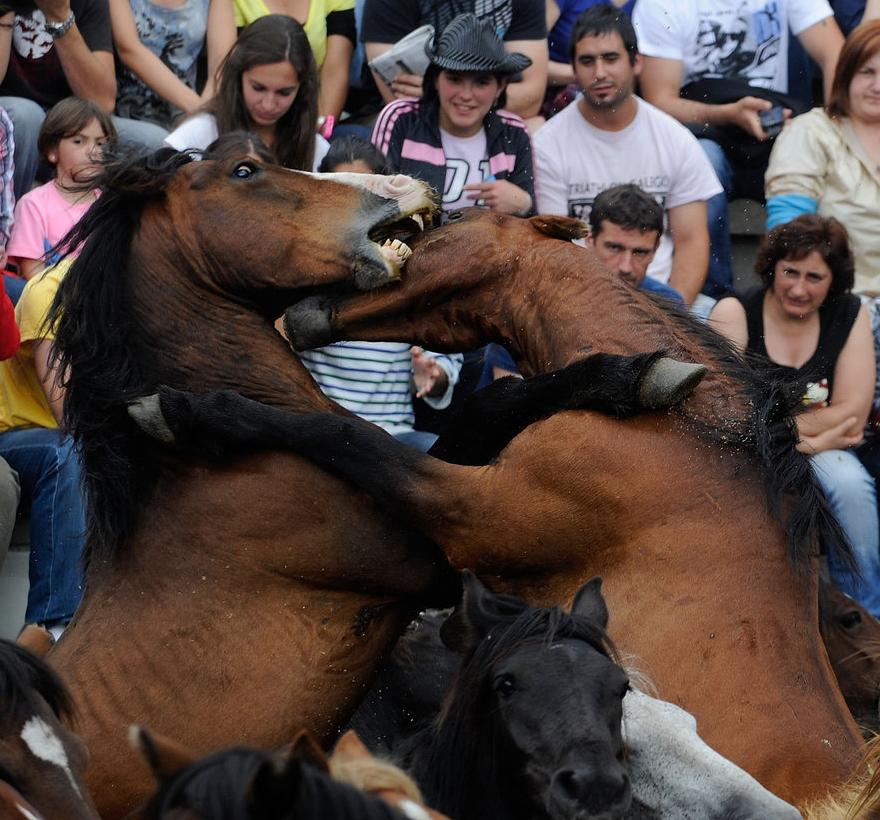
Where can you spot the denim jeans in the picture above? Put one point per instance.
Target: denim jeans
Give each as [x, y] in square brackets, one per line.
[420, 439]
[853, 497]
[49, 472]
[720, 278]
[27, 117]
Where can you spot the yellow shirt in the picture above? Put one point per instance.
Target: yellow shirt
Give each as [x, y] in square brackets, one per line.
[22, 400]
[246, 11]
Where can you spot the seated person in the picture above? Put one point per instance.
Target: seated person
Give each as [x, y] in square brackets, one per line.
[730, 58]
[330, 27]
[610, 136]
[625, 229]
[520, 23]
[159, 43]
[10, 491]
[457, 138]
[72, 138]
[376, 380]
[806, 321]
[31, 409]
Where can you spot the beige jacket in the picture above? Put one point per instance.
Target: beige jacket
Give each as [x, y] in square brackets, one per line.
[822, 158]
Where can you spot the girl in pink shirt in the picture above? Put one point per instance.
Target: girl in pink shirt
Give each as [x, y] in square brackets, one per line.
[72, 139]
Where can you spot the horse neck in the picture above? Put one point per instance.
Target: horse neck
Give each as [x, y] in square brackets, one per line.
[218, 342]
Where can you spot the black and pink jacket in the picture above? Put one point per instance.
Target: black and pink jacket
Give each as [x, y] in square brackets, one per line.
[408, 133]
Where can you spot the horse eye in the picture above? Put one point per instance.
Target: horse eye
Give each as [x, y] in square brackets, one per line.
[244, 170]
[851, 619]
[505, 685]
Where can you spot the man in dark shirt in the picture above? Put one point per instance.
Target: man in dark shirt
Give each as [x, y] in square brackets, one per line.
[520, 23]
[60, 48]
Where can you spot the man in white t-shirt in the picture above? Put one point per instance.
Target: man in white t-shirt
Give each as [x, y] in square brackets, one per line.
[610, 137]
[692, 40]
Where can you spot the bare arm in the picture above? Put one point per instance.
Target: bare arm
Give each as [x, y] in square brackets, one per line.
[373, 50]
[29, 267]
[525, 97]
[220, 38]
[144, 63]
[872, 10]
[728, 318]
[661, 82]
[852, 396]
[334, 75]
[557, 73]
[823, 41]
[6, 23]
[690, 239]
[48, 376]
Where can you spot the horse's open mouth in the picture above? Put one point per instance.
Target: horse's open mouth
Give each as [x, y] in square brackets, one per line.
[390, 237]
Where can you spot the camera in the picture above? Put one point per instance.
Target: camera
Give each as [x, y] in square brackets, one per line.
[772, 120]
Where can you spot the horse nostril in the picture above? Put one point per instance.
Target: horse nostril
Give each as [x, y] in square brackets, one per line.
[572, 784]
[584, 787]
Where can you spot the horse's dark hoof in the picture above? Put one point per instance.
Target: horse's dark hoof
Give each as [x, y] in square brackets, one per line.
[307, 324]
[669, 382]
[146, 412]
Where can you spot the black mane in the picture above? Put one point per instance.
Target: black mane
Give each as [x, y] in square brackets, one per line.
[222, 787]
[98, 347]
[457, 761]
[23, 676]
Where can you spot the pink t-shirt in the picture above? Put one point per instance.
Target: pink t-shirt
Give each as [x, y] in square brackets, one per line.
[42, 218]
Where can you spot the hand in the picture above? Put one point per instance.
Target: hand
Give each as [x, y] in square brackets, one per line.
[429, 378]
[407, 85]
[55, 11]
[500, 195]
[745, 115]
[842, 436]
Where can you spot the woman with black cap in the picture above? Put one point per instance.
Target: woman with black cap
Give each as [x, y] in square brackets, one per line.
[457, 138]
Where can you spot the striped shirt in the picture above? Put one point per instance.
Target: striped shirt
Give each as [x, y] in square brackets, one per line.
[373, 380]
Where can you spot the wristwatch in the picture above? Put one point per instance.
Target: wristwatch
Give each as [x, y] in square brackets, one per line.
[57, 30]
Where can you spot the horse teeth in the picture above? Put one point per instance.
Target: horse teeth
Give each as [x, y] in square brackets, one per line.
[419, 220]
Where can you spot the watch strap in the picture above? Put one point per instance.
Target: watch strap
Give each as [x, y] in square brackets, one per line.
[60, 29]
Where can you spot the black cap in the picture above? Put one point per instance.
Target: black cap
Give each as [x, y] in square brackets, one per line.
[471, 44]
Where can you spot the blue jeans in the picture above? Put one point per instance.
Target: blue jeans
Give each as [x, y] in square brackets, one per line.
[27, 117]
[420, 439]
[49, 472]
[720, 278]
[853, 497]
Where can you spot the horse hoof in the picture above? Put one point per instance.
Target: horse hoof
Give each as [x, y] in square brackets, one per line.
[307, 324]
[669, 382]
[146, 412]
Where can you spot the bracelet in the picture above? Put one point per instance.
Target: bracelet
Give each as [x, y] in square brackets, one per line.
[56, 30]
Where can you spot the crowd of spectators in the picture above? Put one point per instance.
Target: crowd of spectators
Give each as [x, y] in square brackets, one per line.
[644, 118]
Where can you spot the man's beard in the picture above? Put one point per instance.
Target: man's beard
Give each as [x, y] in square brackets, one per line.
[609, 102]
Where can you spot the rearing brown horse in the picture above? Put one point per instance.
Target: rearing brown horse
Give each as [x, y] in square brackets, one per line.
[672, 509]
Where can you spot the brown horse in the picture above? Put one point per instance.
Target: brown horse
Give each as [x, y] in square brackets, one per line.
[42, 762]
[711, 593]
[232, 603]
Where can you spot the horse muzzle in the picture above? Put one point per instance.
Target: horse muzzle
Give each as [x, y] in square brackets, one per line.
[579, 792]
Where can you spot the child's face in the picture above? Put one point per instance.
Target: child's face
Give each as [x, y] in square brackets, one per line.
[78, 153]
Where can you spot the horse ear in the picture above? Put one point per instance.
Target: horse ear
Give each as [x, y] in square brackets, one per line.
[165, 758]
[480, 610]
[350, 747]
[560, 227]
[305, 748]
[275, 788]
[589, 602]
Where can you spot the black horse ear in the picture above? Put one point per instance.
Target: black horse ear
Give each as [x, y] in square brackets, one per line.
[165, 758]
[275, 788]
[480, 610]
[589, 603]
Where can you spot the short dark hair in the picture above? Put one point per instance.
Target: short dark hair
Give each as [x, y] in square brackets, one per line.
[804, 234]
[351, 149]
[629, 207]
[69, 117]
[604, 19]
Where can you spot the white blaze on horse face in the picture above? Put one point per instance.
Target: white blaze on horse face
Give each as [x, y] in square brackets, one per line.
[675, 774]
[45, 745]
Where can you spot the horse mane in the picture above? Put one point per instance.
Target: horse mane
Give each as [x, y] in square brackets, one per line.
[793, 495]
[23, 676]
[457, 761]
[98, 349]
[221, 786]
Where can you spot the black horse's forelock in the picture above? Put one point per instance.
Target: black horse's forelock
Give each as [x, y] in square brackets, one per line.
[793, 494]
[23, 676]
[99, 350]
[220, 786]
[461, 764]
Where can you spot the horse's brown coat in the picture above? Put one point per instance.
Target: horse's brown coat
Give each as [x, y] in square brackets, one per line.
[696, 571]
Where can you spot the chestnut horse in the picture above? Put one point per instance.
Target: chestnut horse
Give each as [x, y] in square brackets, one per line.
[231, 604]
[715, 596]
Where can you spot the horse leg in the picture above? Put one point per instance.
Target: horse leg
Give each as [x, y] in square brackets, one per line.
[619, 386]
